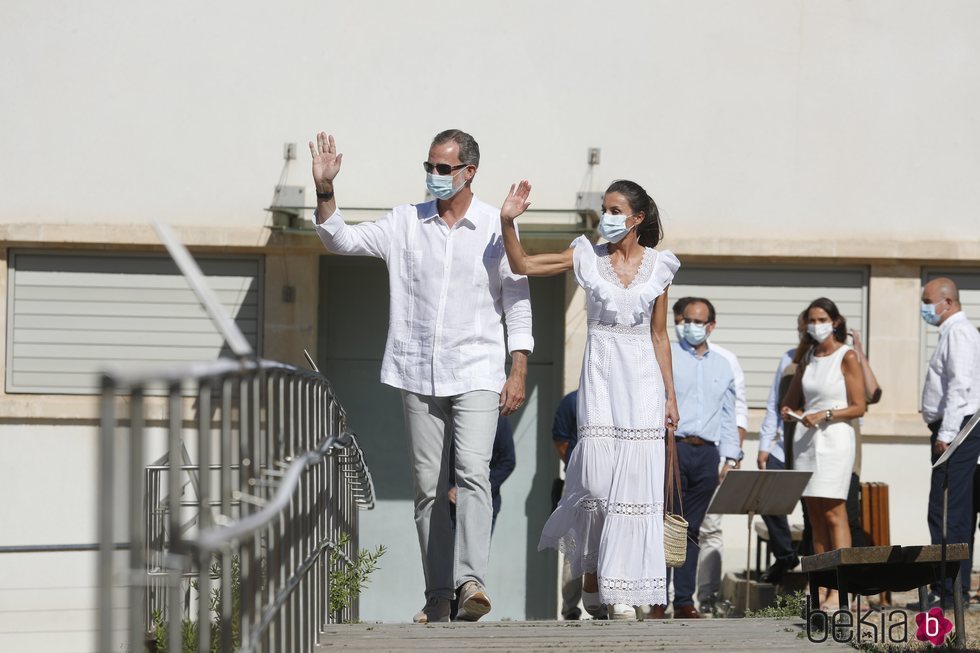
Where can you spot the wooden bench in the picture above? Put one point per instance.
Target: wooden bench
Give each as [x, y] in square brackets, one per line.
[871, 570]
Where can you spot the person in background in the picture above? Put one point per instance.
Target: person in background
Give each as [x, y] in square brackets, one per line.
[772, 455]
[711, 539]
[706, 436]
[830, 382]
[502, 463]
[950, 397]
[872, 395]
[564, 433]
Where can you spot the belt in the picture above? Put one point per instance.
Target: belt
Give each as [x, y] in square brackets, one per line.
[695, 441]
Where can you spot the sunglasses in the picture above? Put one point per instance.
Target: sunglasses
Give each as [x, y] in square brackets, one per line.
[442, 168]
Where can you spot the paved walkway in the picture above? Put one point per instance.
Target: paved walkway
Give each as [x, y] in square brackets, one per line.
[707, 635]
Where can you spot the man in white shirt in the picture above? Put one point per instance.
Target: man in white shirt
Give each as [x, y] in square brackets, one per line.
[950, 397]
[711, 539]
[449, 285]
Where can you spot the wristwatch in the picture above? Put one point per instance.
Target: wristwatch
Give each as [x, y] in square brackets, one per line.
[829, 416]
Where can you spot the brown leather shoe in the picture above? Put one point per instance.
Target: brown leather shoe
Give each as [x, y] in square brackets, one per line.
[658, 612]
[687, 612]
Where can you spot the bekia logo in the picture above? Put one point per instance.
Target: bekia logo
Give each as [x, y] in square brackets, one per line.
[875, 626]
[932, 627]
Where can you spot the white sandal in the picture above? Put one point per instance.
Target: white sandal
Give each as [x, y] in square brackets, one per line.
[621, 612]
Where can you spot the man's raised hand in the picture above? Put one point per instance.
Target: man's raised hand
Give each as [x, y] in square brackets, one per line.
[516, 202]
[326, 162]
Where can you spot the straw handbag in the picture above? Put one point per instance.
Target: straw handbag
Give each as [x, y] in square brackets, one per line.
[675, 526]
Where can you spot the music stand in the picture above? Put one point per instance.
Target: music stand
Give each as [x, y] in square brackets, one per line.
[757, 492]
[944, 461]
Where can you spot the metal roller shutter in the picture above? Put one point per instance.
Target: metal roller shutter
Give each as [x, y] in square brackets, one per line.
[70, 315]
[757, 308]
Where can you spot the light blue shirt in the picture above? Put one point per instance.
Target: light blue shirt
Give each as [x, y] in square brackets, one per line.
[705, 389]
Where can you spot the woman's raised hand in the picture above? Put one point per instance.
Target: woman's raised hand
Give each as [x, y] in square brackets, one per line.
[516, 202]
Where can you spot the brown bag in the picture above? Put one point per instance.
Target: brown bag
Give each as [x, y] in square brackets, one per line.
[675, 526]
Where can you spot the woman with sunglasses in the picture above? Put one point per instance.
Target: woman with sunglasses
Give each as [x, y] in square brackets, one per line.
[609, 522]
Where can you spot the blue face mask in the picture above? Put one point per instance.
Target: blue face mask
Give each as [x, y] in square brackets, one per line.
[612, 227]
[441, 186]
[695, 334]
[928, 313]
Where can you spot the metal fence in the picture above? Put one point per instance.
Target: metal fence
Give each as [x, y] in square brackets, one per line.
[233, 547]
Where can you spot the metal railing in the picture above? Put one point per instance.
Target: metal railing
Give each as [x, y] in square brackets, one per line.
[233, 543]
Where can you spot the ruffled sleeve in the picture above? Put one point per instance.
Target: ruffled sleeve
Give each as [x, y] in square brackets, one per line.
[585, 264]
[664, 269]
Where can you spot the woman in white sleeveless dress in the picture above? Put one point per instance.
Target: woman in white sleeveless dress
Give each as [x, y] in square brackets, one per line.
[609, 522]
[831, 384]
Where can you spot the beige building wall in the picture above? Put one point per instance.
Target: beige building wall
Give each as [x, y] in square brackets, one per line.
[798, 131]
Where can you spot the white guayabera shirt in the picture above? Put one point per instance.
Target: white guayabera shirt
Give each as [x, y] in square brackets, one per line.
[952, 388]
[448, 291]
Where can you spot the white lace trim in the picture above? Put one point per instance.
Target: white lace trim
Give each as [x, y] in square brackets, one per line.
[623, 329]
[635, 509]
[632, 584]
[638, 591]
[642, 274]
[590, 504]
[620, 433]
[587, 564]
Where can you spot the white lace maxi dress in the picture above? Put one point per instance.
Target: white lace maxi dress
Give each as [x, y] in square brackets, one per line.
[610, 518]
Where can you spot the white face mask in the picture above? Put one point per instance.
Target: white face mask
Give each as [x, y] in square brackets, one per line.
[821, 331]
[679, 330]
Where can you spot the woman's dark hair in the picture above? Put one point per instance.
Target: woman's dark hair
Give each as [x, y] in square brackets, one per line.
[840, 328]
[649, 232]
[803, 346]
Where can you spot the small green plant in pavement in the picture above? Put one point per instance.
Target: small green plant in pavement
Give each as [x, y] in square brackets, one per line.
[786, 605]
[347, 581]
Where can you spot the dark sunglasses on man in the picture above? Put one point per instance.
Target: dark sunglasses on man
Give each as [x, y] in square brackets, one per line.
[442, 168]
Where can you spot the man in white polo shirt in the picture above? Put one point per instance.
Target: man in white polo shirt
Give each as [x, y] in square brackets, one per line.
[449, 284]
[950, 397]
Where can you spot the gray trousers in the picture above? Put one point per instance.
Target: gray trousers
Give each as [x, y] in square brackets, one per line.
[709, 557]
[435, 425]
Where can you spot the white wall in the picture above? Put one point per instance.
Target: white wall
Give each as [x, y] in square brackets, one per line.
[767, 118]
[48, 479]
[741, 118]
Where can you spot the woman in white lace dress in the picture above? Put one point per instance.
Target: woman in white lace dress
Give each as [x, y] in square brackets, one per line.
[609, 522]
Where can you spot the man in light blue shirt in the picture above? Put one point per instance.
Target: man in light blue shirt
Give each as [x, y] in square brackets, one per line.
[705, 387]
